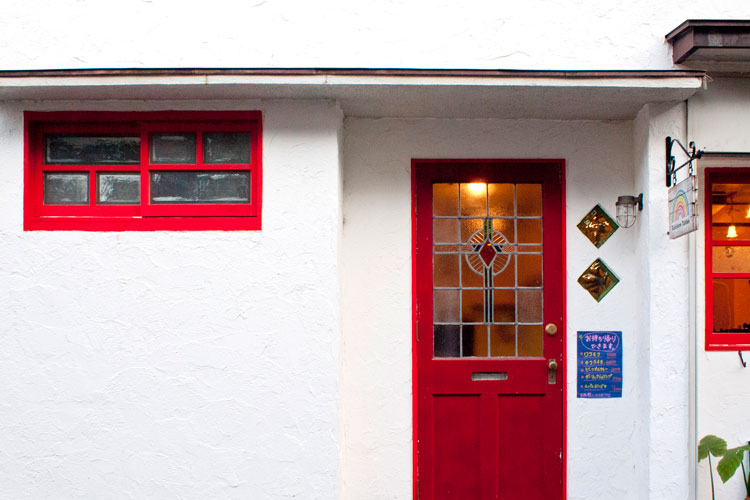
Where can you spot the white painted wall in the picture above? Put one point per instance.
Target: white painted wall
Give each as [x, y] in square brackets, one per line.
[607, 439]
[189, 365]
[662, 286]
[535, 34]
[718, 122]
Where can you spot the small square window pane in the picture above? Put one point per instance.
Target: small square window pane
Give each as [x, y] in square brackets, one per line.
[226, 147]
[474, 199]
[445, 270]
[67, 149]
[192, 186]
[529, 200]
[529, 306]
[502, 340]
[445, 199]
[474, 341]
[119, 188]
[446, 306]
[530, 340]
[172, 148]
[447, 341]
[66, 188]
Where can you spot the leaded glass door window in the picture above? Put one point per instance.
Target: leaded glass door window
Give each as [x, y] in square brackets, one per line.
[487, 270]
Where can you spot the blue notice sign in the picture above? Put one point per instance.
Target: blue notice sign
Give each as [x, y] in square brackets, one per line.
[599, 364]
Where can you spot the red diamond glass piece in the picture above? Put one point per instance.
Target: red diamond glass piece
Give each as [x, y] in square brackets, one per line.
[487, 253]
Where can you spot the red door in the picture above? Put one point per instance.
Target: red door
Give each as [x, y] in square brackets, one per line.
[489, 329]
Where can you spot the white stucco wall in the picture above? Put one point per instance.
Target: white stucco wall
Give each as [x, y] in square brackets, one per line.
[718, 122]
[663, 314]
[189, 365]
[537, 34]
[607, 439]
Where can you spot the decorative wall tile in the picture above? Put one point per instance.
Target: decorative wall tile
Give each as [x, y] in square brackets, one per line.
[598, 280]
[597, 226]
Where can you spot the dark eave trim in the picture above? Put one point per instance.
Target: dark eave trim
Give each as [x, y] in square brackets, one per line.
[364, 72]
[696, 34]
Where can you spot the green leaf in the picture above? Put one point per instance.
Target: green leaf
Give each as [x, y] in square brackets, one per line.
[732, 459]
[713, 445]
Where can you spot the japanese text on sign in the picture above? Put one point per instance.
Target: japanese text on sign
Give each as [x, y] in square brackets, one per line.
[599, 364]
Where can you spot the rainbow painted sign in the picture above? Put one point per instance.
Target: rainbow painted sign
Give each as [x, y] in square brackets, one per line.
[682, 216]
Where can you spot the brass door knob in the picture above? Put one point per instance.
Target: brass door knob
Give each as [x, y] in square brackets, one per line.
[551, 329]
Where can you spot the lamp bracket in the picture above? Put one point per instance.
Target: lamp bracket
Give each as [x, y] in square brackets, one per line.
[690, 152]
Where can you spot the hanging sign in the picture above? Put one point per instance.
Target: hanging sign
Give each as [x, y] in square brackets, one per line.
[599, 365]
[683, 218]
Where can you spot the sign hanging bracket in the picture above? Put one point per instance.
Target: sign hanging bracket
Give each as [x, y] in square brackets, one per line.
[690, 152]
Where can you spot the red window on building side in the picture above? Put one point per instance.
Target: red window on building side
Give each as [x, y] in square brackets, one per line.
[136, 171]
[727, 259]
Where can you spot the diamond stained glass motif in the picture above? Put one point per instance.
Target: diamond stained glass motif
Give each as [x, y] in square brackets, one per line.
[597, 226]
[598, 280]
[491, 250]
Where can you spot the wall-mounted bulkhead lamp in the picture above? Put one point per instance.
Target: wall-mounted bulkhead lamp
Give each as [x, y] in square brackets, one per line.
[625, 209]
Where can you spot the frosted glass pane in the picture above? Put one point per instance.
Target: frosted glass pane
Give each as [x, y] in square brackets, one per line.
[119, 189]
[447, 341]
[502, 340]
[502, 198]
[530, 270]
[529, 231]
[446, 306]
[445, 199]
[504, 306]
[66, 188]
[474, 199]
[172, 148]
[474, 341]
[226, 147]
[505, 227]
[445, 231]
[92, 150]
[182, 186]
[528, 200]
[530, 340]
[472, 306]
[529, 306]
[445, 270]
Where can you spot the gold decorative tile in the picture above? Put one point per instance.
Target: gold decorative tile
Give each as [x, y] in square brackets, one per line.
[598, 280]
[597, 226]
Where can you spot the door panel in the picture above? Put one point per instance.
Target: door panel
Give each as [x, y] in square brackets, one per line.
[458, 478]
[489, 381]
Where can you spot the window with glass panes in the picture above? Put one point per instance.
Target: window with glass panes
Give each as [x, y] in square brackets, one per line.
[179, 170]
[727, 259]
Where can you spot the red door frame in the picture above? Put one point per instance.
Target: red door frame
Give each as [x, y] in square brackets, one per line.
[478, 165]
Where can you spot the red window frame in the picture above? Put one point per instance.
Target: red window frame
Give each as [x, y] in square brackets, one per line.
[721, 341]
[144, 216]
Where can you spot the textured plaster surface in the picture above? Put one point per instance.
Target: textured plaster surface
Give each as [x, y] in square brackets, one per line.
[538, 34]
[718, 123]
[193, 365]
[605, 437]
[663, 313]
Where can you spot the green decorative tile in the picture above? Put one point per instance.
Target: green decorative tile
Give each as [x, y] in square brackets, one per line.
[598, 280]
[597, 226]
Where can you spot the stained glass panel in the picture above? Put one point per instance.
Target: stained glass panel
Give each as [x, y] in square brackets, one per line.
[487, 270]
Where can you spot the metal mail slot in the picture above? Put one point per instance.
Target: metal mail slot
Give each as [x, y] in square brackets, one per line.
[489, 376]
